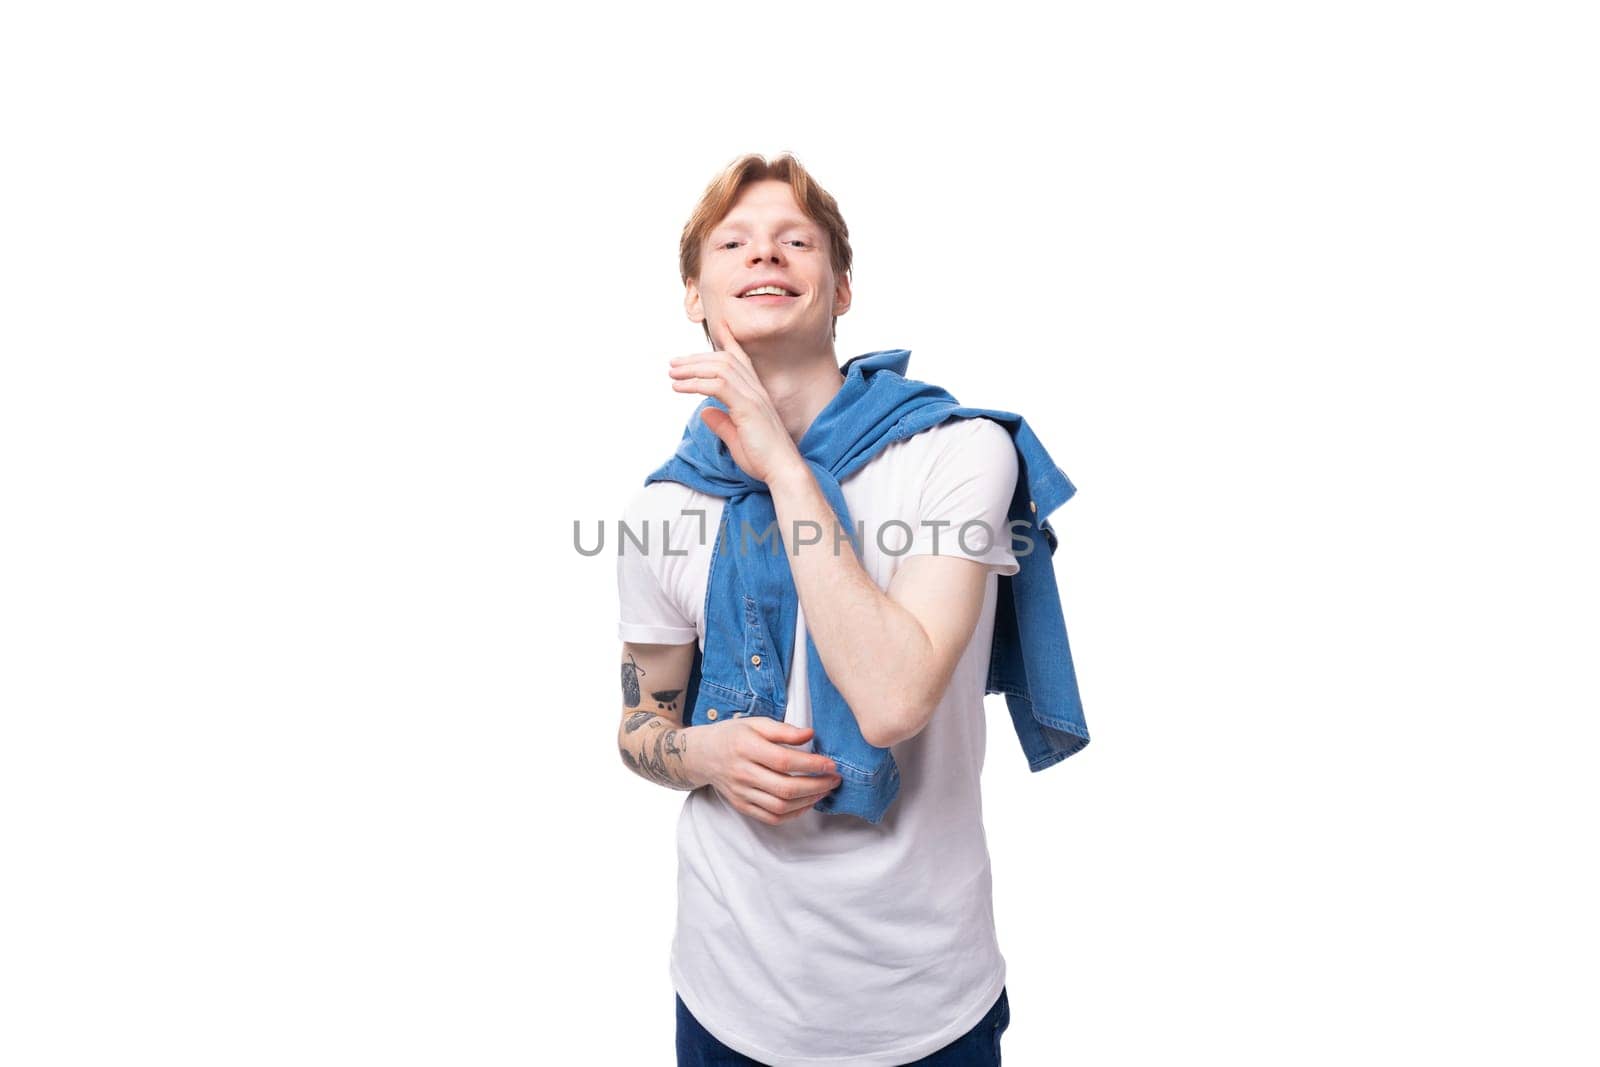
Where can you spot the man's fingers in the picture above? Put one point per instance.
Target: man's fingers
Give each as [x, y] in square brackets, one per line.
[699, 364]
[788, 789]
[773, 730]
[727, 342]
[717, 387]
[703, 366]
[722, 335]
[779, 758]
[781, 794]
[713, 379]
[718, 422]
[769, 810]
[717, 366]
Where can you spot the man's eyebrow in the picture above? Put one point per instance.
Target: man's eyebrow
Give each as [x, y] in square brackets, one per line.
[783, 224]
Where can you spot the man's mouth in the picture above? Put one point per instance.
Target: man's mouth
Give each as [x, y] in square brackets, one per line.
[768, 294]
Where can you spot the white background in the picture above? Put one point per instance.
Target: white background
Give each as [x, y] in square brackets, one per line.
[322, 323]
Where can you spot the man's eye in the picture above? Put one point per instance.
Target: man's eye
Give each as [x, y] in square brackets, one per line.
[796, 241]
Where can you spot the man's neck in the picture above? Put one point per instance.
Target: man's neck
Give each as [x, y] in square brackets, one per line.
[800, 382]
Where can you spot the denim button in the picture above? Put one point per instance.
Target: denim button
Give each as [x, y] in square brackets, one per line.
[1032, 506]
[711, 713]
[756, 660]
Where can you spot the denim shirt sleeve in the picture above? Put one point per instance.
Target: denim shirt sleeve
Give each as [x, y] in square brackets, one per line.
[1030, 661]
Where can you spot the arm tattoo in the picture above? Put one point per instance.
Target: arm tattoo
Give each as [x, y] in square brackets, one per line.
[660, 754]
[667, 744]
[660, 757]
[630, 682]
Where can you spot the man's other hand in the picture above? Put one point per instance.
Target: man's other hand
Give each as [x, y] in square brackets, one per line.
[748, 762]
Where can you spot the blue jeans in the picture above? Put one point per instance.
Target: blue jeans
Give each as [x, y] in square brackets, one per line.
[978, 1047]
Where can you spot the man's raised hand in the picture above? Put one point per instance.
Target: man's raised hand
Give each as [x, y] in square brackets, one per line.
[751, 428]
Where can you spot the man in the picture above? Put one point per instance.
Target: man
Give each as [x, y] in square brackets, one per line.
[803, 938]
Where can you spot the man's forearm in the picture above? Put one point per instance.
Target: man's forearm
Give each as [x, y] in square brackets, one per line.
[875, 651]
[657, 748]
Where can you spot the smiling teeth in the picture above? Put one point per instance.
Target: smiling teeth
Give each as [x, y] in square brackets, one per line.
[767, 290]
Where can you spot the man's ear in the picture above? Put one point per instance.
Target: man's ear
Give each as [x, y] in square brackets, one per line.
[691, 301]
[841, 296]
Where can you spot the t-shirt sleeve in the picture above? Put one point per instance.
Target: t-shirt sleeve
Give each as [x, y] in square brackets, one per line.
[966, 494]
[647, 614]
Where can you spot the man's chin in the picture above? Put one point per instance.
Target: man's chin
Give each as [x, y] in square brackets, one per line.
[772, 333]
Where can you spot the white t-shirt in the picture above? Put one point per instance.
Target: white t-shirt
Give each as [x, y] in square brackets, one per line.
[827, 939]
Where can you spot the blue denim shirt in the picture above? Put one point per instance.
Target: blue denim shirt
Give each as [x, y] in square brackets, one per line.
[751, 605]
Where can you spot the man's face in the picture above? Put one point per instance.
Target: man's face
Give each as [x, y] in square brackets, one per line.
[766, 238]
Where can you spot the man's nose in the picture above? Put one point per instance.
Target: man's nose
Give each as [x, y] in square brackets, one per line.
[763, 249]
